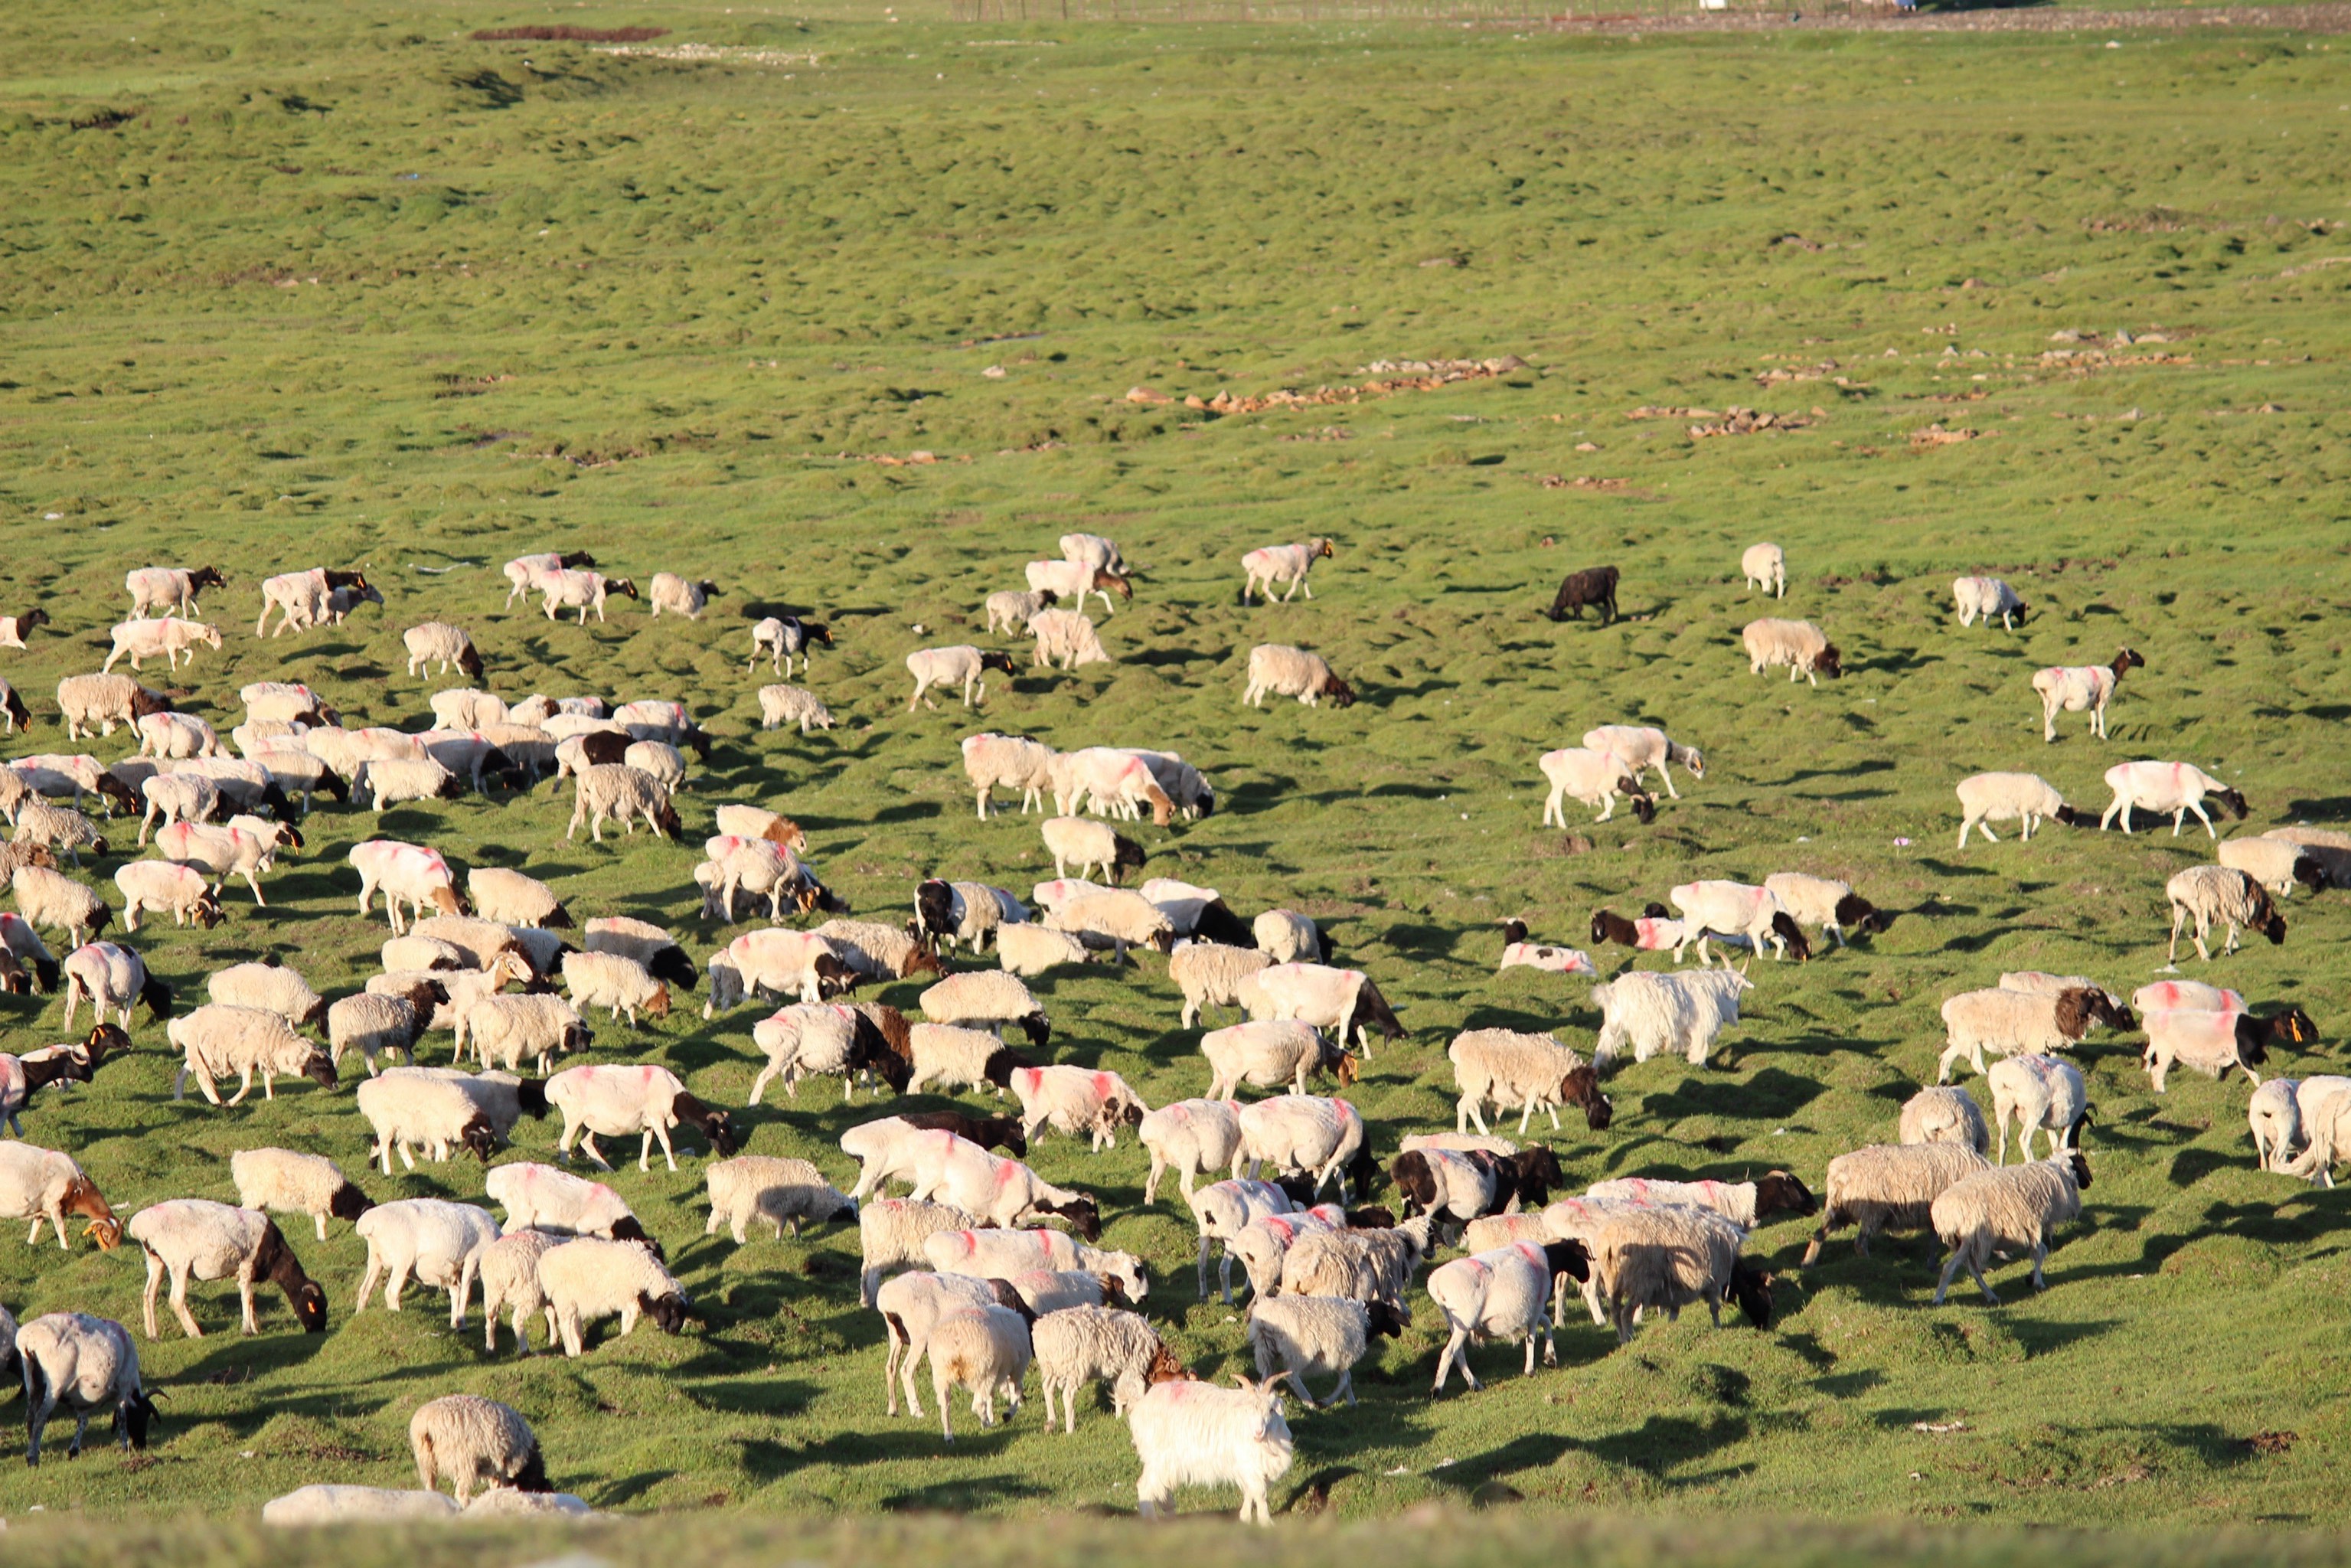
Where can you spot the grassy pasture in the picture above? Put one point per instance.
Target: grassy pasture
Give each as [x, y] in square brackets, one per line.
[341, 286]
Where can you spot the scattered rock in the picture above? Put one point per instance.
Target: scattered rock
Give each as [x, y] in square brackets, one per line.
[1389, 376]
[995, 373]
[1748, 422]
[1936, 435]
[1495, 1494]
[1145, 396]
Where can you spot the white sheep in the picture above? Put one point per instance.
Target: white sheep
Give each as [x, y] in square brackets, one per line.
[581, 590]
[1209, 974]
[407, 874]
[1888, 1186]
[1263, 1244]
[590, 1279]
[1270, 566]
[2177, 787]
[1075, 1101]
[616, 982]
[178, 798]
[197, 1239]
[218, 1040]
[1089, 844]
[679, 595]
[992, 1254]
[526, 573]
[778, 1191]
[1076, 581]
[2010, 797]
[777, 962]
[1765, 566]
[541, 1197]
[176, 737]
[45, 897]
[511, 898]
[464, 1438]
[88, 1365]
[321, 1503]
[1194, 1137]
[1007, 762]
[2042, 1093]
[275, 988]
[615, 1101]
[1719, 909]
[39, 1184]
[1075, 1345]
[507, 1030]
[977, 996]
[1304, 1134]
[440, 1243]
[1289, 937]
[1122, 918]
[953, 1170]
[1270, 1054]
[949, 1057]
[1010, 609]
[1667, 1258]
[2019, 1023]
[1319, 1335]
[1026, 949]
[2273, 1113]
[437, 642]
[2278, 864]
[1944, 1114]
[984, 1350]
[1188, 1432]
[1680, 1015]
[910, 1305]
[164, 888]
[409, 1108]
[1745, 1204]
[1345, 1001]
[960, 666]
[508, 1270]
[616, 792]
[1643, 746]
[781, 705]
[1065, 638]
[895, 1233]
[1825, 904]
[1280, 669]
[1502, 1292]
[162, 589]
[2010, 1209]
[1985, 597]
[1502, 1068]
[286, 1182]
[2220, 896]
[2071, 688]
[1593, 777]
[169, 638]
[1799, 644]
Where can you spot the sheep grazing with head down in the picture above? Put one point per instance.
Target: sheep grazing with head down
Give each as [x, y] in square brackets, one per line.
[1499, 1068]
[1799, 644]
[438, 1242]
[1270, 1054]
[87, 1364]
[1309, 1135]
[590, 1279]
[1667, 1258]
[1503, 1293]
[1765, 566]
[1007, 762]
[1279, 670]
[2278, 864]
[39, 1184]
[1981, 598]
[1319, 1335]
[1193, 1137]
[1089, 844]
[1345, 1001]
[1944, 1114]
[2177, 787]
[2010, 1209]
[2071, 688]
[777, 1192]
[617, 1100]
[1593, 777]
[192, 1239]
[2220, 896]
[1595, 585]
[1066, 638]
[1828, 905]
[1737, 909]
[1643, 746]
[464, 1439]
[2023, 798]
[1076, 1345]
[2042, 1094]
[679, 595]
[1076, 1102]
[1746, 1204]
[288, 1182]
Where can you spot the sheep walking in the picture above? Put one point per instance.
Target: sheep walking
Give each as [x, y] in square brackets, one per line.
[2220, 896]
[1799, 644]
[2042, 1094]
[2023, 798]
[2177, 787]
[1075, 1345]
[1323, 1336]
[1270, 565]
[1189, 1433]
[1981, 598]
[192, 1239]
[1888, 1186]
[1067, 639]
[961, 667]
[2010, 1209]
[1503, 1293]
[1593, 777]
[1944, 1114]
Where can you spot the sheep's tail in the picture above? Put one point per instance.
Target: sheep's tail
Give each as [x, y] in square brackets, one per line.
[424, 1465]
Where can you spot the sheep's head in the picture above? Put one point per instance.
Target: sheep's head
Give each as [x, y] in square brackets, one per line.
[666, 819]
[1349, 1069]
[2081, 1163]
[1320, 549]
[1570, 1258]
[1783, 926]
[1779, 1192]
[157, 997]
[349, 1202]
[309, 1300]
[1830, 663]
[38, 617]
[1339, 694]
[620, 585]
[627, 1228]
[449, 786]
[1860, 915]
[320, 1069]
[2234, 799]
[1382, 1319]
[1082, 1213]
[115, 793]
[573, 561]
[669, 1312]
[1644, 805]
[469, 659]
[1037, 1027]
[2128, 659]
[1415, 1181]
[1581, 1087]
[832, 976]
[920, 960]
[1751, 1287]
[478, 1136]
[144, 702]
[658, 1004]
[1115, 583]
[135, 1416]
[992, 661]
[1165, 1367]
[1607, 926]
[206, 577]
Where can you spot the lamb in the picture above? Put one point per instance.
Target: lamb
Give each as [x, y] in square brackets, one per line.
[792, 705]
[2021, 1023]
[285, 1182]
[1737, 909]
[441, 1243]
[2177, 787]
[1075, 1101]
[787, 635]
[2040, 1093]
[1798, 644]
[1765, 566]
[1641, 747]
[679, 596]
[1308, 1135]
[1944, 1115]
[1366, 1265]
[961, 665]
[963, 912]
[2220, 896]
[1111, 782]
[1273, 565]
[1290, 937]
[1187, 1432]
[1517, 953]
[1000, 1254]
[621, 793]
[163, 589]
[409, 1107]
[1668, 1258]
[778, 1191]
[1089, 844]
[2010, 797]
[541, 1197]
[1025, 950]
[407, 874]
[511, 898]
[2277, 865]
[509, 1268]
[528, 573]
[465, 1439]
[45, 897]
[437, 642]
[301, 598]
[1194, 1136]
[979, 997]
[1986, 597]
[1888, 1186]
[1501, 1067]
[1593, 777]
[1746, 1204]
[197, 1239]
[56, 828]
[1325, 1335]
[983, 1349]
[1502, 1292]
[2321, 1103]
[101, 702]
[2010, 1209]
[178, 798]
[1595, 585]
[1826, 904]
[616, 982]
[1280, 669]
[217, 1039]
[2214, 1040]
[1343, 1001]
[88, 1365]
[2071, 688]
[462, 709]
[894, 1232]
[1075, 1345]
[615, 1101]
[1076, 581]
[1270, 1054]
[1009, 610]
[1008, 762]
[581, 590]
[173, 736]
[1066, 637]
[648, 943]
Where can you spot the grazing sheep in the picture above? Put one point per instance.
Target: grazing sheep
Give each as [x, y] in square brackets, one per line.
[38, 1185]
[1746, 1204]
[226, 851]
[176, 737]
[894, 1233]
[1502, 1067]
[1799, 644]
[1986, 597]
[2040, 1092]
[440, 1243]
[2022, 1023]
[1115, 916]
[1075, 1345]
[778, 1191]
[679, 596]
[2009, 1210]
[1111, 782]
[1263, 1244]
[272, 987]
[1593, 777]
[87, 1364]
[581, 591]
[1941, 1114]
[2069, 688]
[2177, 787]
[526, 574]
[785, 636]
[1502, 1292]
[590, 1279]
[2220, 896]
[1065, 637]
[1595, 585]
[45, 897]
[1025, 950]
[509, 1274]
[959, 913]
[622, 794]
[616, 982]
[1209, 974]
[2010, 797]
[1306, 1134]
[437, 642]
[781, 963]
[881, 952]
[1368, 1265]
[1270, 1054]
[464, 1438]
[1765, 566]
[988, 1254]
[813, 1038]
[197, 1239]
[1280, 669]
[178, 798]
[2214, 1040]
[102, 701]
[961, 665]
[1643, 746]
[1075, 1101]
[1188, 1432]
[407, 874]
[1194, 1137]
[1272, 564]
[2273, 1113]
[1321, 1336]
[1826, 904]
[112, 979]
[216, 1041]
[1290, 937]
[411, 1107]
[648, 943]
[615, 1101]
[285, 1182]
[1718, 908]
[1888, 1186]
[1007, 762]
[1680, 1014]
[792, 705]
[302, 598]
[984, 1350]
[57, 828]
[13, 712]
[948, 1057]
[1089, 844]
[2330, 848]
[2278, 864]
[541, 1197]
[165, 888]
[511, 898]
[1645, 1260]
[1010, 609]
[1076, 581]
[163, 589]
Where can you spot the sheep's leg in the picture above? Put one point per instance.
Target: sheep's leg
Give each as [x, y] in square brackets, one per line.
[180, 1305]
[2178, 916]
[1951, 1053]
[2040, 1256]
[1454, 1351]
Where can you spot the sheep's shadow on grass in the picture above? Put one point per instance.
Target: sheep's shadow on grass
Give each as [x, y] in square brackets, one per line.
[2192, 1164]
[979, 1491]
[1770, 1093]
[2045, 1336]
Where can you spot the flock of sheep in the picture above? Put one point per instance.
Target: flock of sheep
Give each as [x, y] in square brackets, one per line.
[983, 1268]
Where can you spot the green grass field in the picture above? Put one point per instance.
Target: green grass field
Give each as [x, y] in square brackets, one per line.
[329, 284]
